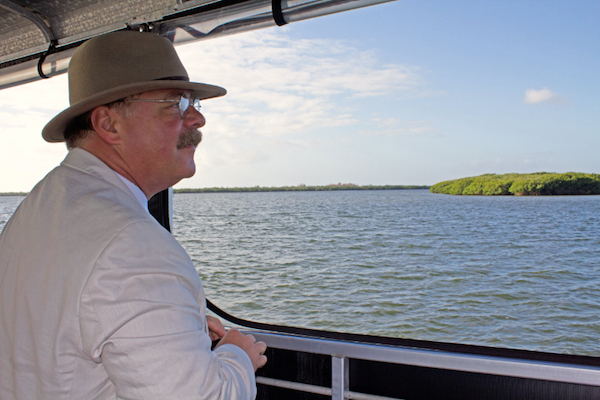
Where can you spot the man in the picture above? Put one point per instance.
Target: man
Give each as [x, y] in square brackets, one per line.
[97, 300]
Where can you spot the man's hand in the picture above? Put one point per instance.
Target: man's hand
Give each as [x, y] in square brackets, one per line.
[248, 343]
[216, 330]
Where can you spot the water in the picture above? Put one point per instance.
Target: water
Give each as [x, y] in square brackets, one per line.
[518, 272]
[8, 205]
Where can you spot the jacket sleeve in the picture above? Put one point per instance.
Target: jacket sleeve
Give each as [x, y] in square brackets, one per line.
[141, 319]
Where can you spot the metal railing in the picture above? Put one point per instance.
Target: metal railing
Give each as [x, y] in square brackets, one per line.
[341, 352]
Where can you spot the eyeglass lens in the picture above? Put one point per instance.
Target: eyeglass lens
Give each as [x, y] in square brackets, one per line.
[185, 102]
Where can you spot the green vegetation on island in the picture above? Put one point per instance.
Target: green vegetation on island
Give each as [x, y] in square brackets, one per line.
[539, 183]
[301, 188]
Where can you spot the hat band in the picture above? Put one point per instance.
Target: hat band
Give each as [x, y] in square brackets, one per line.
[174, 78]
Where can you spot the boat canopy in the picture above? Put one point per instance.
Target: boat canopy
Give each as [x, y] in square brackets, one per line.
[38, 37]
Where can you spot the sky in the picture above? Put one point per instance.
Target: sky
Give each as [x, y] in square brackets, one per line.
[404, 93]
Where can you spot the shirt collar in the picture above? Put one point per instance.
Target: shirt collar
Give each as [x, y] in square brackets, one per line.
[137, 192]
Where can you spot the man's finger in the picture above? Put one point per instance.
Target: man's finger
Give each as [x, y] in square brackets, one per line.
[216, 330]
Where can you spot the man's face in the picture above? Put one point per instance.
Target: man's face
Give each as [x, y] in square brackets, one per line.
[158, 144]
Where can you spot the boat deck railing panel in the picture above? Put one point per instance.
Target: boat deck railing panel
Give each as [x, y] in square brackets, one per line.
[341, 352]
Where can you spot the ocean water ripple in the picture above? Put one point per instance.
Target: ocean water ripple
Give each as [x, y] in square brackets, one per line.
[500, 271]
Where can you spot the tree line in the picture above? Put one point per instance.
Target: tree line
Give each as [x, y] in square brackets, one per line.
[14, 194]
[301, 188]
[539, 183]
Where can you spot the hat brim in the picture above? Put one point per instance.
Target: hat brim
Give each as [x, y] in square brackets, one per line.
[54, 130]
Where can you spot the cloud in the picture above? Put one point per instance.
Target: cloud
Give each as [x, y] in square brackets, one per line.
[533, 96]
[24, 111]
[390, 127]
[282, 86]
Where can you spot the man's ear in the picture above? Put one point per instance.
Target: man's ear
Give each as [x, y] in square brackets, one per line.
[103, 121]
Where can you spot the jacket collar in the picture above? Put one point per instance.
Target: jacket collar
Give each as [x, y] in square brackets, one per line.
[88, 163]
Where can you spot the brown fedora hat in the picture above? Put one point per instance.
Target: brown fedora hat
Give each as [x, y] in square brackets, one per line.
[120, 64]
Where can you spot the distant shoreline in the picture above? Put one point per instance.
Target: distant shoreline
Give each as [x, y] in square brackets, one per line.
[14, 194]
[301, 188]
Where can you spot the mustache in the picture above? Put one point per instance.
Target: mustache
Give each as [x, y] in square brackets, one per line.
[189, 137]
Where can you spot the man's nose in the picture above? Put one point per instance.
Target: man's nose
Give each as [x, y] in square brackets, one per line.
[193, 118]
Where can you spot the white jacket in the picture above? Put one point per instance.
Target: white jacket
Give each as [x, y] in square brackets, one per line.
[99, 301]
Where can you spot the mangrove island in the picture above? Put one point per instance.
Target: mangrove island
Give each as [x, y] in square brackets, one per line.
[539, 183]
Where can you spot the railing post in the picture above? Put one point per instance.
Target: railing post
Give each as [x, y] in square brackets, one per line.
[339, 376]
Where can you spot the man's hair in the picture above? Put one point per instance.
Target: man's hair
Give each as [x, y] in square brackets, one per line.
[80, 127]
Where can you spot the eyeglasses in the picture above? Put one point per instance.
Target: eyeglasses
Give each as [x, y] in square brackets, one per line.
[184, 102]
